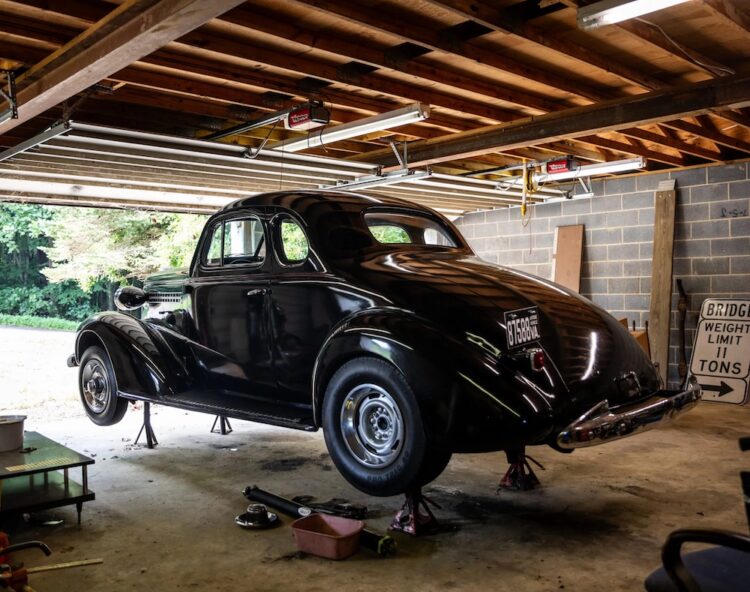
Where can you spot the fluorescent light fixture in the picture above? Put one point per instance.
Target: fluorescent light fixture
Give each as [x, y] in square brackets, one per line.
[410, 114]
[608, 12]
[590, 170]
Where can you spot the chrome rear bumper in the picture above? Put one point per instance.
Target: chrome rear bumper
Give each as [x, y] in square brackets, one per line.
[601, 424]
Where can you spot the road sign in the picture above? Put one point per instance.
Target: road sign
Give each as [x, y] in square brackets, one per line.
[721, 353]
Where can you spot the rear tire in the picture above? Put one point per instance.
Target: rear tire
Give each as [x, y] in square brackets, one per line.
[374, 430]
[98, 388]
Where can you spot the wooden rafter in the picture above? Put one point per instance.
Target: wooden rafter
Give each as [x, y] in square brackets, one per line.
[412, 31]
[730, 92]
[653, 34]
[504, 21]
[131, 31]
[731, 12]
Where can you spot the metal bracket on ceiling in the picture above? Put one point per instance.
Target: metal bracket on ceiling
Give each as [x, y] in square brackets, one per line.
[9, 96]
[402, 159]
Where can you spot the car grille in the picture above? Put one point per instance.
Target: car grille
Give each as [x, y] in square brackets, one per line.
[164, 297]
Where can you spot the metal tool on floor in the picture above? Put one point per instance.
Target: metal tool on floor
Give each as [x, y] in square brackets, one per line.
[334, 507]
[383, 545]
[16, 577]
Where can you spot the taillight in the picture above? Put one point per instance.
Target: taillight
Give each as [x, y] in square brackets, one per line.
[537, 360]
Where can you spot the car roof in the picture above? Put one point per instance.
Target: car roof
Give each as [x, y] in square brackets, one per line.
[301, 200]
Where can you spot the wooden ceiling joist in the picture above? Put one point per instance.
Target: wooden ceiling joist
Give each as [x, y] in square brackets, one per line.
[731, 12]
[412, 31]
[131, 31]
[731, 92]
[504, 21]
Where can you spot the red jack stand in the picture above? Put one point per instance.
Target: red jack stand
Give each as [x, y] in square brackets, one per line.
[519, 476]
[410, 519]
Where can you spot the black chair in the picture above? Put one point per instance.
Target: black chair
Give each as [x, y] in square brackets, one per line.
[725, 567]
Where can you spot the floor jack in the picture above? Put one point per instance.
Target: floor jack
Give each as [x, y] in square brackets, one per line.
[14, 577]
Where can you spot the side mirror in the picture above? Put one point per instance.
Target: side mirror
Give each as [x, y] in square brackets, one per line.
[130, 298]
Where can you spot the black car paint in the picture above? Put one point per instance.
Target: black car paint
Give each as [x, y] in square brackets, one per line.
[260, 342]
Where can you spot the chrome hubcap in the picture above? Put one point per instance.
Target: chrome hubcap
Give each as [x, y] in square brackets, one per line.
[95, 386]
[372, 426]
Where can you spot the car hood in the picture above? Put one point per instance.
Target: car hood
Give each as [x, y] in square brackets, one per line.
[588, 347]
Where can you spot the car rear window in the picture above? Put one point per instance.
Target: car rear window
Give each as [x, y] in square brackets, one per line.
[408, 228]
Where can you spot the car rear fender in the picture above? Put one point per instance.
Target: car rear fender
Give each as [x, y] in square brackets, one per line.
[443, 373]
[140, 359]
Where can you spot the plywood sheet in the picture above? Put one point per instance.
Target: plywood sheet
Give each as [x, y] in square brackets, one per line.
[566, 264]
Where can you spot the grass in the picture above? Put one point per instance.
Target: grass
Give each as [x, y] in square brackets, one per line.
[38, 322]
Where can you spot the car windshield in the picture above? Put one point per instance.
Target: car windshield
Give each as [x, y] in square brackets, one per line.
[393, 227]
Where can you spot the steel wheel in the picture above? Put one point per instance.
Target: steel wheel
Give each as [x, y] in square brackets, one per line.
[372, 426]
[95, 386]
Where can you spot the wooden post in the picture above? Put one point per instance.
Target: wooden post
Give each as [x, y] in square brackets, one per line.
[661, 275]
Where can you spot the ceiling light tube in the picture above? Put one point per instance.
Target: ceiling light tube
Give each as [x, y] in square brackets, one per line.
[353, 129]
[590, 170]
[608, 12]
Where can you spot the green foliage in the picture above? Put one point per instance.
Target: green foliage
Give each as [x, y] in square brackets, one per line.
[67, 262]
[294, 241]
[388, 234]
[21, 240]
[117, 245]
[65, 299]
[38, 322]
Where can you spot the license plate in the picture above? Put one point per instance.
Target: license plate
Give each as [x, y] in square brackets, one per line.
[522, 326]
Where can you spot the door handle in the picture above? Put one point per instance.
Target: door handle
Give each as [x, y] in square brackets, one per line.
[257, 292]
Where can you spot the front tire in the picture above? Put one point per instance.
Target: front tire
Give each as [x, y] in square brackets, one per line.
[98, 388]
[374, 430]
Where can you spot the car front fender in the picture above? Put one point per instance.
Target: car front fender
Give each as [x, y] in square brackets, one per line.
[144, 365]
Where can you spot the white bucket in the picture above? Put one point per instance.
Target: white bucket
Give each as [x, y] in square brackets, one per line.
[11, 432]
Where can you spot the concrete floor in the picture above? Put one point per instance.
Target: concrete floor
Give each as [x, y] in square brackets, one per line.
[163, 518]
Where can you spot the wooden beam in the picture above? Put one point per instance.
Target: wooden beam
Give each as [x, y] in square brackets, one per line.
[661, 277]
[730, 92]
[611, 144]
[710, 134]
[105, 48]
[729, 11]
[672, 142]
[653, 34]
[359, 50]
[412, 31]
[504, 21]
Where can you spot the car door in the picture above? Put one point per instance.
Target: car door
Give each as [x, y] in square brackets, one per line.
[305, 303]
[230, 308]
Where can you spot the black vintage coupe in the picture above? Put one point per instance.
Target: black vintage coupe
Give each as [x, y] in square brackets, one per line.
[372, 319]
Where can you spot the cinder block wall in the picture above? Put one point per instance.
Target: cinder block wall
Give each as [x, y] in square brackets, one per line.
[712, 241]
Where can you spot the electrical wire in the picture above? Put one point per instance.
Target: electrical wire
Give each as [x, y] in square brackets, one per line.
[710, 68]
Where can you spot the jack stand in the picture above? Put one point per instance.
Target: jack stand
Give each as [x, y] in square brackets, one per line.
[519, 476]
[151, 440]
[224, 426]
[410, 519]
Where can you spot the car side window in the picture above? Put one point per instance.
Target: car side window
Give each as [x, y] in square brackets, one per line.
[244, 241]
[239, 241]
[390, 234]
[213, 255]
[294, 244]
